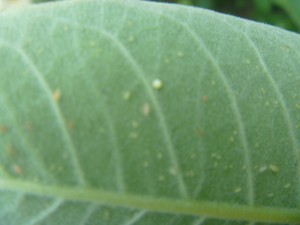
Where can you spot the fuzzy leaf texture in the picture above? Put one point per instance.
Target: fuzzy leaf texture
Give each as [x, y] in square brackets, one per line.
[138, 113]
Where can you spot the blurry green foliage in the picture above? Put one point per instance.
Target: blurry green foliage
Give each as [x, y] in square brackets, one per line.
[282, 13]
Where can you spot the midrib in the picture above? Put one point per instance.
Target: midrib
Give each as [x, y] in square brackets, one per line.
[164, 205]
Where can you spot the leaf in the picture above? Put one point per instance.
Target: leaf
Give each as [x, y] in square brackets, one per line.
[292, 7]
[128, 112]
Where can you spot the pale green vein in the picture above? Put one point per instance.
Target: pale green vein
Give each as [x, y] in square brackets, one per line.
[121, 22]
[45, 213]
[142, 76]
[111, 127]
[38, 75]
[35, 160]
[89, 212]
[154, 204]
[234, 104]
[280, 97]
[135, 218]
[173, 220]
[12, 205]
[114, 140]
[199, 221]
[237, 114]
[140, 73]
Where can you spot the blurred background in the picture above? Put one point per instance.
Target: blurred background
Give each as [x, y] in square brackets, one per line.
[281, 13]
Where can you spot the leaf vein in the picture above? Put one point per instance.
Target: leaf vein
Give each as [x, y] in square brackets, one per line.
[141, 75]
[46, 213]
[234, 106]
[279, 95]
[135, 218]
[57, 113]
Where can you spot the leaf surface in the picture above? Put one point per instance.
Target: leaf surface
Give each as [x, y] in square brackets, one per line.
[128, 112]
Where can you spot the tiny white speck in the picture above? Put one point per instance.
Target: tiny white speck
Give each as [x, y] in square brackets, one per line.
[270, 195]
[146, 164]
[237, 190]
[167, 61]
[65, 156]
[102, 130]
[134, 124]
[161, 178]
[127, 95]
[180, 54]
[262, 169]
[193, 156]
[92, 44]
[159, 155]
[107, 214]
[216, 156]
[131, 39]
[130, 23]
[157, 84]
[273, 168]
[133, 135]
[172, 171]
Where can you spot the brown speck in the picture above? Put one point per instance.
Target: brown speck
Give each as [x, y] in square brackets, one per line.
[11, 151]
[200, 132]
[205, 98]
[17, 169]
[3, 129]
[28, 127]
[70, 125]
[146, 109]
[57, 95]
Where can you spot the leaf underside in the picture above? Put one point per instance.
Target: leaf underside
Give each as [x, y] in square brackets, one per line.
[129, 112]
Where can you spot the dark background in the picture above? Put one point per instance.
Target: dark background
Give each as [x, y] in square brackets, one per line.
[282, 13]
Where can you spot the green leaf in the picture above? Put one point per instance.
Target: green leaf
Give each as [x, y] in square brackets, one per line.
[129, 112]
[292, 7]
